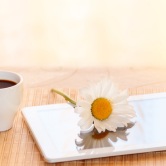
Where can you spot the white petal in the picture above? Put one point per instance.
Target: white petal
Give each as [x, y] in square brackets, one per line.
[85, 122]
[113, 91]
[123, 112]
[128, 111]
[86, 113]
[120, 107]
[99, 125]
[109, 125]
[84, 125]
[84, 104]
[120, 120]
[106, 89]
[121, 97]
[78, 109]
[85, 93]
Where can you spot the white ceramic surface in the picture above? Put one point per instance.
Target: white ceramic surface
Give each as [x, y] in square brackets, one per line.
[10, 99]
[55, 130]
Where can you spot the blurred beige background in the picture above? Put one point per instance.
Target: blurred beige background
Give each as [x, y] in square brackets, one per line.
[115, 33]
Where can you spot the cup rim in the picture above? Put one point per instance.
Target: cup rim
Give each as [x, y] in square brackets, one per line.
[14, 73]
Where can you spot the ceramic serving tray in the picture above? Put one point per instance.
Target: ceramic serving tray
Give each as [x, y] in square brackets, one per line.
[54, 128]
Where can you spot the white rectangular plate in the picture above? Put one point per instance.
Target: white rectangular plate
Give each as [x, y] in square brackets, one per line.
[54, 128]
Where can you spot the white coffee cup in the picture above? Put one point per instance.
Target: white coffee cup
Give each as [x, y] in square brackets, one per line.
[10, 98]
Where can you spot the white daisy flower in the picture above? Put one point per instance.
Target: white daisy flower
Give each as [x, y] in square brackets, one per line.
[104, 106]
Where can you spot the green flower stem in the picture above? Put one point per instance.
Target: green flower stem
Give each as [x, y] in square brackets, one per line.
[65, 96]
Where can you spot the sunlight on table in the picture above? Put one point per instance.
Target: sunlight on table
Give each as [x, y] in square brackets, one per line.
[83, 33]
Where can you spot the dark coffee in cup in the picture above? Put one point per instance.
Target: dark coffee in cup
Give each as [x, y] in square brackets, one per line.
[6, 83]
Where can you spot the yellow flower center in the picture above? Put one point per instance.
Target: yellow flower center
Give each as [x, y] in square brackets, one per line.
[101, 135]
[101, 108]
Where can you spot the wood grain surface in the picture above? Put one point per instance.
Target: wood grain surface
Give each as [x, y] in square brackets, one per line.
[17, 147]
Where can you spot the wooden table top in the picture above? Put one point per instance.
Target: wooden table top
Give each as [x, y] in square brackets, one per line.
[17, 146]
